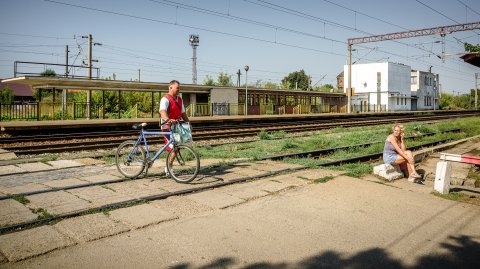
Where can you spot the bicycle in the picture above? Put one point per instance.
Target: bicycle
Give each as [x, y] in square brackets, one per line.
[133, 157]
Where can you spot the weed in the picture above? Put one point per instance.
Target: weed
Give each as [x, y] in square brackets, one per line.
[263, 135]
[49, 158]
[21, 199]
[42, 213]
[324, 179]
[288, 144]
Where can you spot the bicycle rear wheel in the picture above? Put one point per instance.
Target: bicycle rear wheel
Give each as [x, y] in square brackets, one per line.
[186, 164]
[130, 159]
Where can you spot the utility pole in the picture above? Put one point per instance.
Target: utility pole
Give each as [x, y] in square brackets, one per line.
[138, 74]
[349, 85]
[89, 65]
[238, 77]
[477, 76]
[194, 41]
[64, 91]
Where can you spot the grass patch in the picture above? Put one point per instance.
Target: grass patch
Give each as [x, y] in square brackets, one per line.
[353, 169]
[21, 199]
[42, 213]
[49, 158]
[323, 179]
[459, 197]
[263, 134]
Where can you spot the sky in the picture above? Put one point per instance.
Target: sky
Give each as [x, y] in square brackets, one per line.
[272, 37]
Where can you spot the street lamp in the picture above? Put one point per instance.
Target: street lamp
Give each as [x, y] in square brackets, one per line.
[246, 89]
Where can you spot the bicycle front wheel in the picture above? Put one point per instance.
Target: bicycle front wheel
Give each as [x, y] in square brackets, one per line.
[185, 165]
[130, 159]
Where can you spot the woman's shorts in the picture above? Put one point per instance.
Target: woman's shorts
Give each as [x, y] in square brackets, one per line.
[389, 158]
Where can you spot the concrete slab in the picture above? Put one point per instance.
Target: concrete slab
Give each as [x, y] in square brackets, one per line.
[312, 174]
[7, 155]
[12, 212]
[269, 185]
[244, 191]
[289, 180]
[273, 166]
[99, 196]
[90, 161]
[35, 167]
[225, 176]
[58, 202]
[31, 187]
[11, 169]
[60, 183]
[141, 215]
[216, 199]
[137, 188]
[65, 163]
[90, 227]
[101, 177]
[3, 259]
[181, 206]
[245, 169]
[25, 244]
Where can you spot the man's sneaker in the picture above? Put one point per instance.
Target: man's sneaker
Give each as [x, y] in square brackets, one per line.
[166, 171]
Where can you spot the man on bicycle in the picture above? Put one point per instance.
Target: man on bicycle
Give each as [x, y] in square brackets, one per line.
[171, 111]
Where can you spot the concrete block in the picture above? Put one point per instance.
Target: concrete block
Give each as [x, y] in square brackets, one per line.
[57, 202]
[12, 212]
[215, 199]
[442, 177]
[141, 215]
[90, 227]
[11, 169]
[456, 181]
[388, 172]
[35, 167]
[33, 242]
[100, 195]
[65, 163]
[470, 183]
[7, 155]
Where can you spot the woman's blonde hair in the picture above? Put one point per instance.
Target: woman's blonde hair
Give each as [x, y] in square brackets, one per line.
[399, 126]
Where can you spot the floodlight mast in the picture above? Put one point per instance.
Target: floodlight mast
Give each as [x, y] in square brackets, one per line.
[194, 41]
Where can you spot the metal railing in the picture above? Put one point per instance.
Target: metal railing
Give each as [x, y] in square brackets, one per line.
[29, 111]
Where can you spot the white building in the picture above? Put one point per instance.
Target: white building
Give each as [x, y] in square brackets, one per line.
[380, 86]
[425, 90]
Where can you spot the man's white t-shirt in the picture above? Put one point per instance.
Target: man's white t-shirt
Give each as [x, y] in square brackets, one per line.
[165, 103]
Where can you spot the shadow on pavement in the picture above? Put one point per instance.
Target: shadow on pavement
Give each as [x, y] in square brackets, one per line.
[463, 253]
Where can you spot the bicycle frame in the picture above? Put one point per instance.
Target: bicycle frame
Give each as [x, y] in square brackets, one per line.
[143, 138]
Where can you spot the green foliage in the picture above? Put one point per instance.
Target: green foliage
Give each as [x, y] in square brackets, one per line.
[6, 96]
[471, 48]
[324, 179]
[454, 102]
[21, 199]
[48, 73]
[271, 85]
[353, 169]
[263, 134]
[288, 144]
[208, 81]
[224, 79]
[297, 79]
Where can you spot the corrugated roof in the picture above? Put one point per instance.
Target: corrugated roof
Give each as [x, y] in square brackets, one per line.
[18, 89]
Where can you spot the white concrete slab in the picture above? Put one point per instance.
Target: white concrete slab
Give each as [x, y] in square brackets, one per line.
[12, 212]
[31, 187]
[11, 169]
[35, 167]
[24, 244]
[141, 215]
[65, 163]
[90, 227]
[216, 199]
[101, 177]
[58, 202]
[99, 196]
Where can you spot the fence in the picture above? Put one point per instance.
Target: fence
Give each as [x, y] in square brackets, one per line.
[28, 111]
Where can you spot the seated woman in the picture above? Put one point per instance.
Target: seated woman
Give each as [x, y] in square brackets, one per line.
[395, 152]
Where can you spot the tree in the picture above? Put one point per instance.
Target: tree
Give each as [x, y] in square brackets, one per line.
[6, 96]
[471, 48]
[296, 80]
[270, 85]
[208, 81]
[224, 79]
[48, 73]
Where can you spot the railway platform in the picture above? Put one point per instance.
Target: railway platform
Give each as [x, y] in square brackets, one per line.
[58, 126]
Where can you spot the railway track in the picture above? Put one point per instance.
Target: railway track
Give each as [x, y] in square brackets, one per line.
[100, 140]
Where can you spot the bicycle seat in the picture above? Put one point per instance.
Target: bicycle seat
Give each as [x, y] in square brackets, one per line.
[136, 126]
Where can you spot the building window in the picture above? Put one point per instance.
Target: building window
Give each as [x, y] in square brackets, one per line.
[398, 100]
[413, 80]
